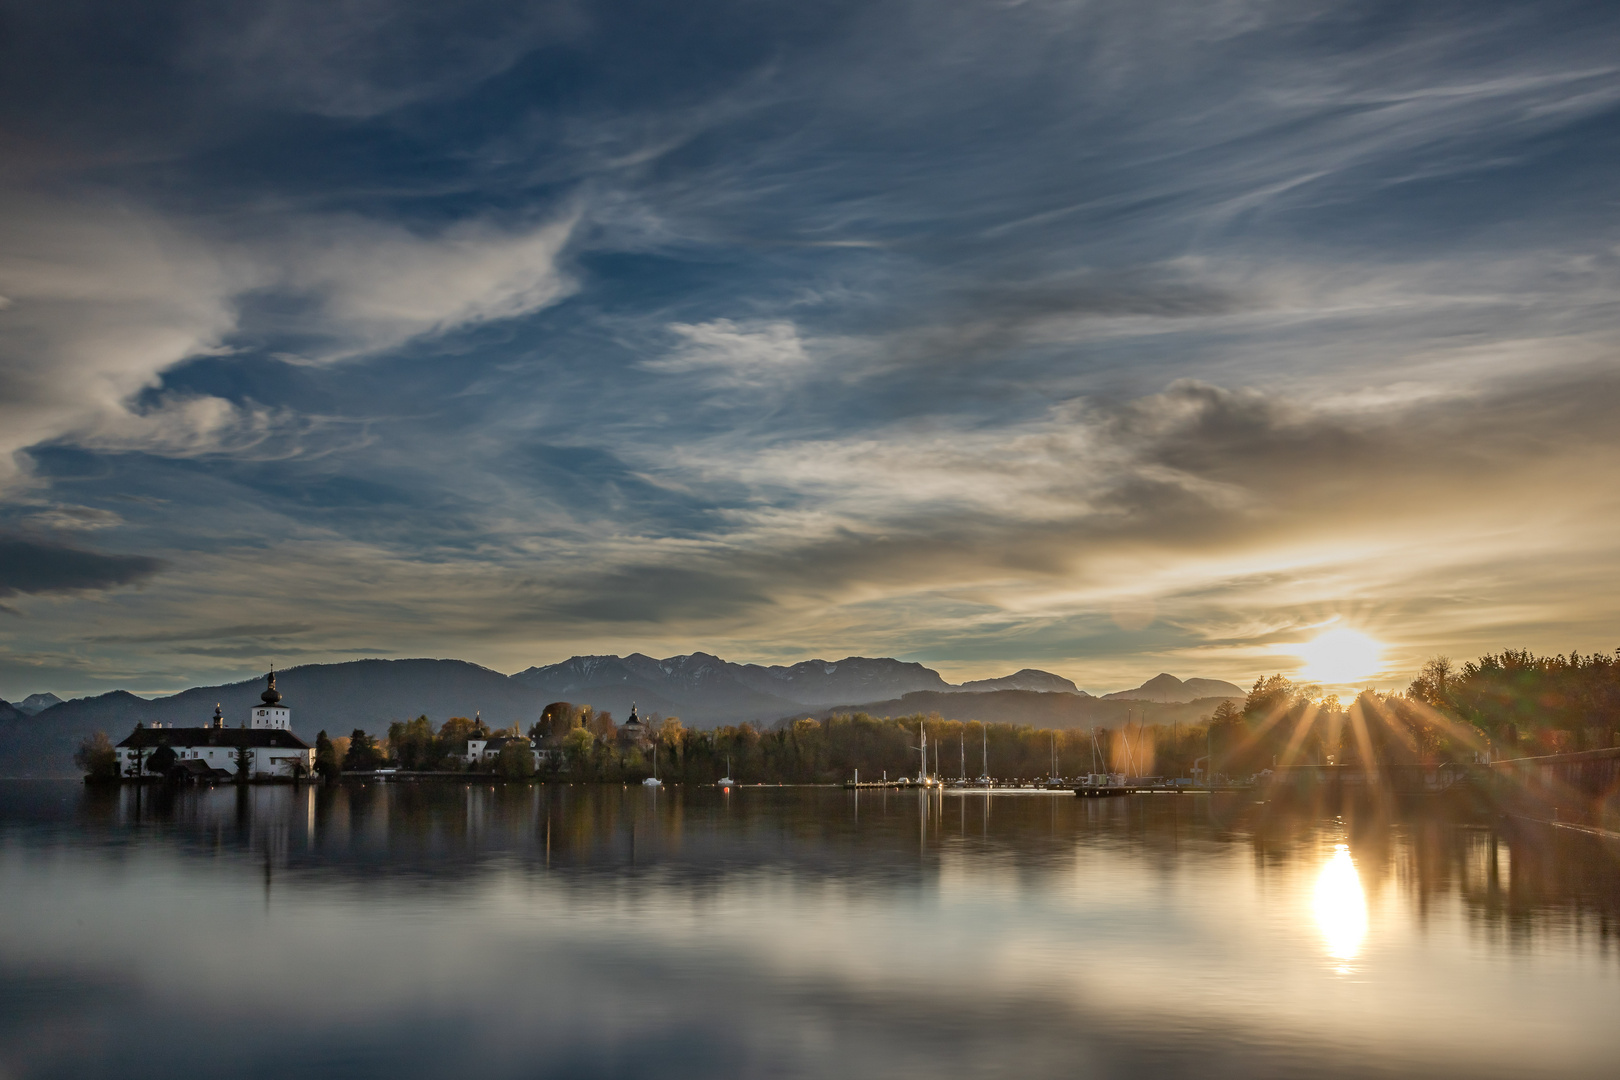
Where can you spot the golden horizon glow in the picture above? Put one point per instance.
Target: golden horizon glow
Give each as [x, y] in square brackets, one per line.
[1340, 905]
[1340, 656]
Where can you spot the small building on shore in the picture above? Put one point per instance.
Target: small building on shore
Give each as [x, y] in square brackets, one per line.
[266, 743]
[488, 751]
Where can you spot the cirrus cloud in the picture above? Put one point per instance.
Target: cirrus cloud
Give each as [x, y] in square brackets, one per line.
[105, 297]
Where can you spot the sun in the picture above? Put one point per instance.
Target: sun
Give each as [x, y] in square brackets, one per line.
[1340, 656]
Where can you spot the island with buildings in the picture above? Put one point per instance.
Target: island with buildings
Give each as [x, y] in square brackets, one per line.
[264, 748]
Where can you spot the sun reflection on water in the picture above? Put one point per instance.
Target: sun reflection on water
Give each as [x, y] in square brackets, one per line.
[1341, 907]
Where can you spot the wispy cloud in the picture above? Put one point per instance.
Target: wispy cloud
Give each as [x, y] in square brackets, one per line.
[105, 297]
[729, 354]
[1045, 333]
[375, 285]
[361, 59]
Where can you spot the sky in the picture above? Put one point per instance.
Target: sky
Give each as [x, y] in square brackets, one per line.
[1107, 338]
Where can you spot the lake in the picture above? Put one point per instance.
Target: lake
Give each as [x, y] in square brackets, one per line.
[449, 929]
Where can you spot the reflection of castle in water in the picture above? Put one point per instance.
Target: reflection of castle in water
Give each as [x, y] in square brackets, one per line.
[1518, 880]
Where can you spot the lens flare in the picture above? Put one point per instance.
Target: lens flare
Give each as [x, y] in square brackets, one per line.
[1341, 908]
[1340, 656]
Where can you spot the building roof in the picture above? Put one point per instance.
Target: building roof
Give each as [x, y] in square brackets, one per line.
[500, 741]
[271, 695]
[151, 738]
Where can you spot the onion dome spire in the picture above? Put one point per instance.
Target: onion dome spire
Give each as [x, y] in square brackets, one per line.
[271, 695]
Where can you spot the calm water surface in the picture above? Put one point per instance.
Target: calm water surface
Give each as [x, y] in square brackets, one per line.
[449, 930]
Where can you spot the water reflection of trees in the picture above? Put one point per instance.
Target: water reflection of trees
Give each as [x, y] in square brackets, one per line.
[1512, 880]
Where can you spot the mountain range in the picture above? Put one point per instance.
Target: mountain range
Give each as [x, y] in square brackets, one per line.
[704, 690]
[1167, 688]
[1038, 709]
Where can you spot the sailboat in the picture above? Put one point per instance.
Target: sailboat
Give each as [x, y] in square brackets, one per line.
[923, 778]
[984, 751]
[653, 781]
[1055, 781]
[726, 780]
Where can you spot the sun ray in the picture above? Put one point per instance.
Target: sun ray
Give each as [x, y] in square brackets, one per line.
[1302, 731]
[1364, 748]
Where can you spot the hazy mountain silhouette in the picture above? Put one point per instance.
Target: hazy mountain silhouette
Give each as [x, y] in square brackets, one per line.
[702, 689]
[37, 703]
[705, 689]
[1027, 679]
[1040, 709]
[1165, 687]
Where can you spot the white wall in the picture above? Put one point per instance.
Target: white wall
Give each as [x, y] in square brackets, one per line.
[271, 716]
[271, 761]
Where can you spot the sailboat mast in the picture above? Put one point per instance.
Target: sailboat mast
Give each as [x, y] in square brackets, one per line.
[1130, 751]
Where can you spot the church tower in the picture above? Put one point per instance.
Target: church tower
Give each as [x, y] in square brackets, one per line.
[271, 713]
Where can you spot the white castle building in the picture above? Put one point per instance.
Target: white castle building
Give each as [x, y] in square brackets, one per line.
[270, 714]
[216, 752]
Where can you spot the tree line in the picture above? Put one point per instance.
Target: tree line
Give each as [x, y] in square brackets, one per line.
[1509, 704]
[1504, 705]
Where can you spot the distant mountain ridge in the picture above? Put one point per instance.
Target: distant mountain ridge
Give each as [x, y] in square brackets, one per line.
[1042, 709]
[1027, 679]
[37, 703]
[701, 688]
[723, 689]
[1165, 687]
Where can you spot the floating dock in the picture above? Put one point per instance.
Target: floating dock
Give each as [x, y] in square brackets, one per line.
[863, 785]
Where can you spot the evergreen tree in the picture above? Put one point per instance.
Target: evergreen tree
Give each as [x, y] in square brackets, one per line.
[364, 753]
[326, 758]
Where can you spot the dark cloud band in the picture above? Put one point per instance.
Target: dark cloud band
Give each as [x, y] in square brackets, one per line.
[37, 566]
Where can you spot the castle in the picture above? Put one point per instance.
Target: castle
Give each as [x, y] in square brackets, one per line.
[263, 748]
